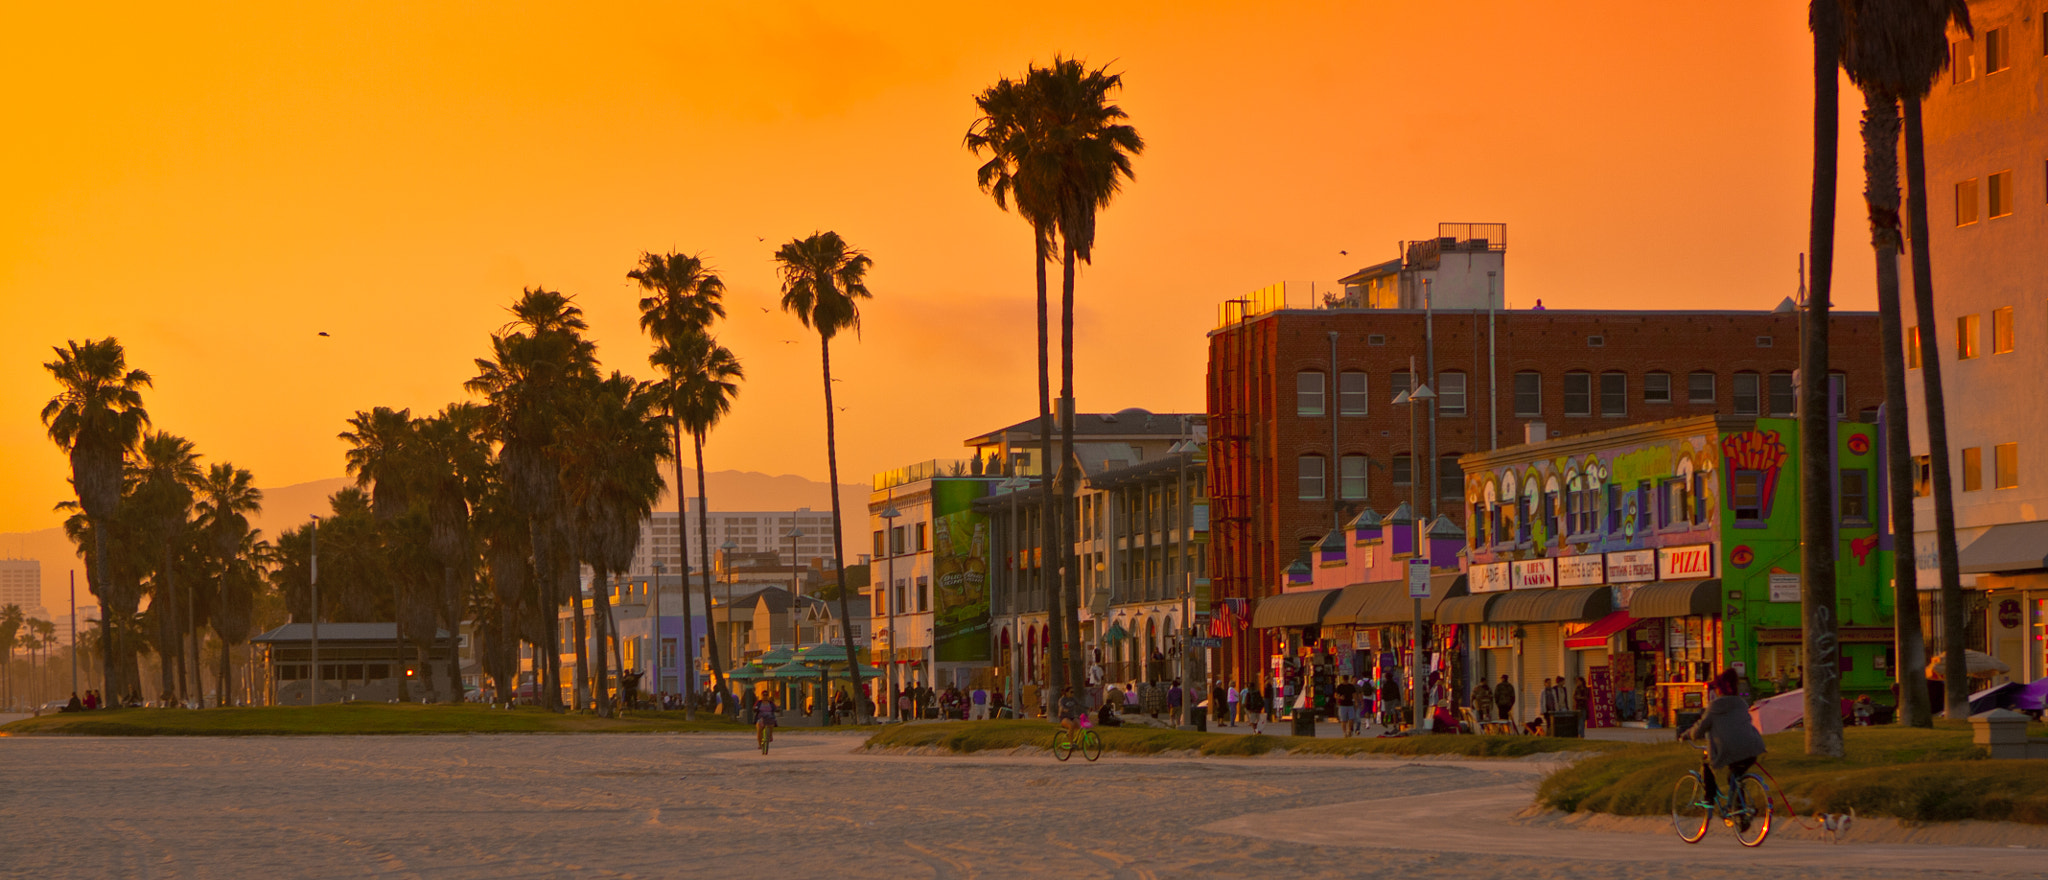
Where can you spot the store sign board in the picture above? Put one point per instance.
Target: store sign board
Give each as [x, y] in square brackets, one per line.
[1533, 574]
[1418, 579]
[1581, 571]
[1784, 587]
[1631, 566]
[1691, 562]
[1491, 577]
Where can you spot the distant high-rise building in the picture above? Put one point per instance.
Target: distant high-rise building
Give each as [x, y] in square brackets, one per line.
[21, 583]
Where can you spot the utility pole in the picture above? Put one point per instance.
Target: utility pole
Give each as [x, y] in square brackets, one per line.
[74, 632]
[1418, 686]
[313, 693]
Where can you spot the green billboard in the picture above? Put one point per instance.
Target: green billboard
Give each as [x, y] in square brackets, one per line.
[960, 548]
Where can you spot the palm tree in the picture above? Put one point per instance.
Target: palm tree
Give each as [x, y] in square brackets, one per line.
[684, 298]
[160, 482]
[536, 364]
[240, 583]
[46, 635]
[383, 456]
[454, 468]
[823, 282]
[704, 380]
[1088, 150]
[227, 497]
[1009, 130]
[10, 636]
[613, 447]
[1893, 50]
[96, 418]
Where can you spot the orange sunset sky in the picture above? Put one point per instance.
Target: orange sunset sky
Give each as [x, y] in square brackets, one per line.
[216, 185]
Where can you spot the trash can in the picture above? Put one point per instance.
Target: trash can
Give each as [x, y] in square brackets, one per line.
[1199, 717]
[1304, 721]
[1566, 724]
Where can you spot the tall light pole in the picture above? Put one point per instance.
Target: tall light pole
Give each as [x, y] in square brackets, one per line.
[74, 633]
[1417, 686]
[732, 659]
[889, 515]
[314, 582]
[796, 632]
[659, 568]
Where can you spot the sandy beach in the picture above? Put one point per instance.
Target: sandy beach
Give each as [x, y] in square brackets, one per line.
[505, 807]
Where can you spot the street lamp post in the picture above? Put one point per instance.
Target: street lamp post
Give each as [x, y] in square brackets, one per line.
[796, 633]
[659, 569]
[1417, 686]
[889, 515]
[313, 692]
[732, 659]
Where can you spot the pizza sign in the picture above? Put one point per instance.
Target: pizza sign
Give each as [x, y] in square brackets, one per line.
[1691, 562]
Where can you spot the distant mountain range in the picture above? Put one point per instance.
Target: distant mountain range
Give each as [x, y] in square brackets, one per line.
[287, 506]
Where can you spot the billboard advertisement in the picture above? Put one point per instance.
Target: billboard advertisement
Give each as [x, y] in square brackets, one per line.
[960, 548]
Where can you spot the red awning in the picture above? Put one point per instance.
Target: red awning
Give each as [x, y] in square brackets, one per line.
[1594, 636]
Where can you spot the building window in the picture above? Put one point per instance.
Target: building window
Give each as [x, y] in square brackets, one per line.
[1784, 403]
[880, 596]
[1308, 393]
[1913, 348]
[1962, 61]
[1973, 468]
[881, 548]
[1855, 496]
[1402, 471]
[1966, 337]
[896, 540]
[1450, 478]
[1997, 54]
[1838, 388]
[1311, 477]
[1614, 508]
[2001, 330]
[1375, 339]
[1614, 394]
[1699, 387]
[1351, 473]
[1966, 202]
[1351, 393]
[1450, 393]
[902, 601]
[1550, 505]
[1529, 394]
[1748, 394]
[1999, 188]
[924, 594]
[1747, 498]
[2005, 459]
[1657, 387]
[1596, 342]
[1923, 476]
[1578, 394]
[1699, 498]
[1765, 342]
[1672, 506]
[1398, 383]
[1477, 517]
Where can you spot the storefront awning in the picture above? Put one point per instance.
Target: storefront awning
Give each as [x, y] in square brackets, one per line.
[1293, 609]
[1594, 637]
[1547, 606]
[1466, 609]
[1390, 602]
[1353, 599]
[1676, 599]
[2007, 547]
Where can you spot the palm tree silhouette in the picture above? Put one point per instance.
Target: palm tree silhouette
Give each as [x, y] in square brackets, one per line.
[613, 445]
[96, 418]
[703, 381]
[160, 482]
[823, 282]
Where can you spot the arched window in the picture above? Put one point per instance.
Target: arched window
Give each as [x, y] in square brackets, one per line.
[1748, 394]
[1309, 393]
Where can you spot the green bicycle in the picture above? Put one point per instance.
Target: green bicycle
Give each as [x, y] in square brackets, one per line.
[1745, 805]
[1065, 744]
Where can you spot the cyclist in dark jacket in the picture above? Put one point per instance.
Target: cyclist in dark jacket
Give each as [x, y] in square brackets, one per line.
[1733, 742]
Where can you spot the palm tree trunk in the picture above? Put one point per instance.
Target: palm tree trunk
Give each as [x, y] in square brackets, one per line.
[1070, 476]
[711, 656]
[398, 639]
[453, 615]
[832, 471]
[685, 675]
[109, 682]
[1048, 527]
[583, 691]
[227, 675]
[198, 664]
[1817, 520]
[1910, 645]
[1955, 671]
[600, 682]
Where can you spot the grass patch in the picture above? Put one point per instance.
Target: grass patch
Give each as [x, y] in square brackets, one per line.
[979, 736]
[348, 719]
[1915, 775]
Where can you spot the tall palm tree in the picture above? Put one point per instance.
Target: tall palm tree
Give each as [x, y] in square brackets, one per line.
[613, 448]
[227, 497]
[46, 633]
[823, 282]
[96, 418]
[684, 297]
[160, 484]
[383, 456]
[233, 619]
[538, 360]
[1009, 131]
[454, 469]
[1893, 50]
[1816, 453]
[11, 621]
[1089, 148]
[706, 378]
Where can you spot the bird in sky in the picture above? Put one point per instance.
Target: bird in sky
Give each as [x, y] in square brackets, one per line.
[323, 333]
[1343, 253]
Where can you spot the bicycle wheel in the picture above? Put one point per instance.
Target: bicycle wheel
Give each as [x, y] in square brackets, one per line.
[1689, 813]
[1753, 816]
[1091, 745]
[1062, 745]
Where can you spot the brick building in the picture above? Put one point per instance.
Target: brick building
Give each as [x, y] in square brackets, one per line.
[1299, 444]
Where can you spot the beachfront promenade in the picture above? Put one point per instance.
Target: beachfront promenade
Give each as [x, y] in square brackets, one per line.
[515, 806]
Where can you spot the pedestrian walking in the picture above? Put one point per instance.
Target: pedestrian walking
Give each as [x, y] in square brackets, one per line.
[1254, 708]
[1504, 698]
[1347, 707]
[978, 704]
[1482, 701]
[1582, 697]
[1176, 700]
[1233, 695]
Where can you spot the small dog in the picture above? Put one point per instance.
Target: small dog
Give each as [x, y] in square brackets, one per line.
[1835, 826]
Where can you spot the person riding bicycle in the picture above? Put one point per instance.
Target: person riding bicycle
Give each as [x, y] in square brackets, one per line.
[764, 716]
[1070, 711]
[1733, 742]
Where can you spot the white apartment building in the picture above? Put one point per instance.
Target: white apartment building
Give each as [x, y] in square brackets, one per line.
[753, 531]
[21, 583]
[1987, 175]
